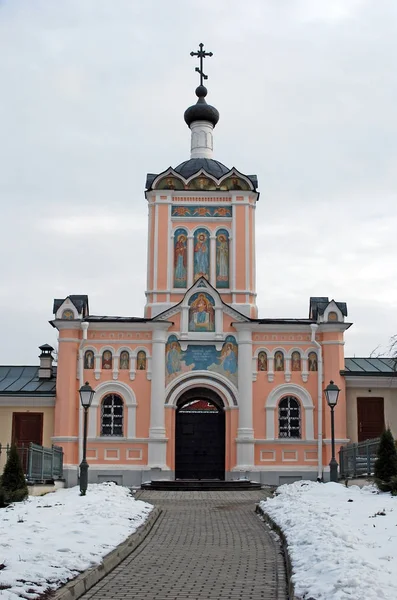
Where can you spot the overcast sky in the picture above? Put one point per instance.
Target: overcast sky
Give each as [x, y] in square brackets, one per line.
[92, 95]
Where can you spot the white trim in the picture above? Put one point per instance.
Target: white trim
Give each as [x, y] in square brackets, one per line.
[156, 246]
[364, 381]
[307, 406]
[284, 459]
[128, 450]
[332, 343]
[18, 401]
[247, 253]
[62, 339]
[282, 441]
[306, 459]
[64, 438]
[106, 457]
[113, 387]
[222, 386]
[261, 453]
[92, 450]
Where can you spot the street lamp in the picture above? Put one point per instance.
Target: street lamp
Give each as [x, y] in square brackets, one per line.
[332, 393]
[86, 395]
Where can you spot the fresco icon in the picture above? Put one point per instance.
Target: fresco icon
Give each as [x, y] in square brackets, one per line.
[201, 312]
[201, 254]
[222, 259]
[180, 258]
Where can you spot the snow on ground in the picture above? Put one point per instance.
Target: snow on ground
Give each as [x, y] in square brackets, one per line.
[46, 541]
[342, 541]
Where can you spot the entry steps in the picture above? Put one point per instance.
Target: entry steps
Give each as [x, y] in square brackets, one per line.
[203, 485]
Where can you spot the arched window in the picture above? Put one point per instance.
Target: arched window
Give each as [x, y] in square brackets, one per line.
[279, 361]
[289, 418]
[89, 359]
[262, 361]
[112, 415]
[332, 316]
[141, 361]
[124, 360]
[295, 361]
[313, 366]
[107, 360]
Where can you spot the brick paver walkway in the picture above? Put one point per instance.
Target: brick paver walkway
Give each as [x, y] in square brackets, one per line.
[205, 545]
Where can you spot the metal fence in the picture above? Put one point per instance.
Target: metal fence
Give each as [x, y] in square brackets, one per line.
[357, 460]
[39, 464]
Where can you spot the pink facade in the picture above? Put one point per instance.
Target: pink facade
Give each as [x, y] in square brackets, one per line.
[200, 386]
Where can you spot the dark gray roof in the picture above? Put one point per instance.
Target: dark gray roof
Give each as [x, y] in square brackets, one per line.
[79, 300]
[379, 367]
[318, 304]
[282, 321]
[24, 381]
[211, 166]
[99, 318]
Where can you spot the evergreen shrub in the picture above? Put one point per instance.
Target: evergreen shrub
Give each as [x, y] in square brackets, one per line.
[13, 483]
[385, 470]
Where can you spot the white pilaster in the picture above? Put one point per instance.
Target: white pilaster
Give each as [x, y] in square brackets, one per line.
[190, 261]
[157, 441]
[213, 260]
[245, 432]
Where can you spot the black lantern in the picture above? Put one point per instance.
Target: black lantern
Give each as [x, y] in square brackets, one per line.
[332, 393]
[86, 395]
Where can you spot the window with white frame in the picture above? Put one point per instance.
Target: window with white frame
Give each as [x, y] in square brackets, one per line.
[112, 413]
[289, 418]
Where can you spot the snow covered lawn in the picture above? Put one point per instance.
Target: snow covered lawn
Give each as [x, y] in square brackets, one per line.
[342, 541]
[46, 541]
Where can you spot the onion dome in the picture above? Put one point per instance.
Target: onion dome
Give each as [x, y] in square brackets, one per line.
[201, 111]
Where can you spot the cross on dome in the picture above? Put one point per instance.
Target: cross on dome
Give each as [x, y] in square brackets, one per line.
[201, 54]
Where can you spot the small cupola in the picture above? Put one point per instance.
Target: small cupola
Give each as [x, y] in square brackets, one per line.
[46, 360]
[201, 118]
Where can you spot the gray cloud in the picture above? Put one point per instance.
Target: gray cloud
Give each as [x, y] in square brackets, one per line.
[92, 98]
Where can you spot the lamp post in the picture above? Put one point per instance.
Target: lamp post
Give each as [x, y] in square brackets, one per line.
[86, 395]
[331, 394]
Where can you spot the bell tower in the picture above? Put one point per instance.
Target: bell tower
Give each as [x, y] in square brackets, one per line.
[201, 220]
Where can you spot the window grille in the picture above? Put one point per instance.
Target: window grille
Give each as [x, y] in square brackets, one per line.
[289, 418]
[112, 415]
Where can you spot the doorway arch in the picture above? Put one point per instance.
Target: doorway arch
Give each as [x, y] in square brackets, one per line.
[200, 435]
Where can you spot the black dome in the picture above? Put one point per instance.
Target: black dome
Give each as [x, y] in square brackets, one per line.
[212, 167]
[201, 111]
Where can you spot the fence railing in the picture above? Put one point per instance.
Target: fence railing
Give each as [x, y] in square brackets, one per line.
[357, 460]
[39, 463]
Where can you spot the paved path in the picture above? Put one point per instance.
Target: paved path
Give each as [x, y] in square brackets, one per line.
[205, 545]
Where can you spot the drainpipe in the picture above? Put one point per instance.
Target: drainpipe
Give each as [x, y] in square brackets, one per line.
[84, 327]
[314, 328]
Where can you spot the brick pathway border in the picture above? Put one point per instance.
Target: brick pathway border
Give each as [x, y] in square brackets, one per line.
[83, 583]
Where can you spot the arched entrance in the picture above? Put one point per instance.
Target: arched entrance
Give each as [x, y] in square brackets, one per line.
[200, 435]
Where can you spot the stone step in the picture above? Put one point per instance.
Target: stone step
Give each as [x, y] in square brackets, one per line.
[203, 485]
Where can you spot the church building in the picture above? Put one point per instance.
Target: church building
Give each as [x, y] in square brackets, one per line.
[200, 387]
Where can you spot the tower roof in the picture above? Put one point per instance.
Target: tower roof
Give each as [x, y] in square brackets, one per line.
[201, 111]
[211, 166]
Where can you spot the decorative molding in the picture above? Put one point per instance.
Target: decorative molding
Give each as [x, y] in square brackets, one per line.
[20, 401]
[307, 406]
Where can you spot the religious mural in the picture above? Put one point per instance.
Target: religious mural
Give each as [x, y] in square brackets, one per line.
[295, 361]
[89, 359]
[180, 258]
[279, 361]
[201, 358]
[312, 361]
[201, 312]
[262, 361]
[201, 183]
[200, 212]
[141, 360]
[170, 183]
[107, 360]
[234, 183]
[124, 360]
[201, 254]
[222, 259]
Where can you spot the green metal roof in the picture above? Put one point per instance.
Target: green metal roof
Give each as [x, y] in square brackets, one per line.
[24, 381]
[378, 367]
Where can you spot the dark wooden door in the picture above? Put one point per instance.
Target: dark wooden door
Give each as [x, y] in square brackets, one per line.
[26, 428]
[370, 418]
[200, 443]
